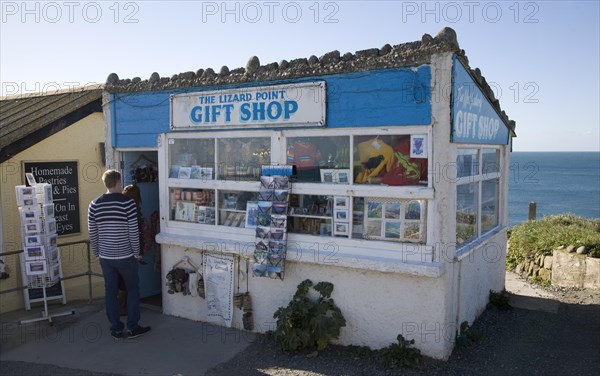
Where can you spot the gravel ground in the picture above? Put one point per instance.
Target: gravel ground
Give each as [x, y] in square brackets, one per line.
[514, 342]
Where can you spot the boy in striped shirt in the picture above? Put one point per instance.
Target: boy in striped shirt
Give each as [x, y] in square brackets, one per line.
[114, 239]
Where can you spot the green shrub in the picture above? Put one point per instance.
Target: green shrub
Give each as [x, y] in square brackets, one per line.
[306, 323]
[467, 336]
[541, 237]
[395, 356]
[499, 300]
[401, 354]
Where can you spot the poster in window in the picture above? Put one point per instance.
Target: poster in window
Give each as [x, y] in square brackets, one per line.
[372, 229]
[418, 146]
[392, 230]
[185, 211]
[412, 231]
[341, 215]
[374, 209]
[341, 229]
[392, 210]
[341, 202]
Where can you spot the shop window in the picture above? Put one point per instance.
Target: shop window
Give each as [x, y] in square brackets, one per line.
[238, 209]
[466, 212]
[477, 193]
[490, 161]
[311, 214]
[214, 182]
[320, 159]
[489, 204]
[241, 158]
[390, 160]
[467, 162]
[192, 158]
[341, 216]
[192, 205]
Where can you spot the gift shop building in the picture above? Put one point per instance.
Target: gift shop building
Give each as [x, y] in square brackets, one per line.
[389, 183]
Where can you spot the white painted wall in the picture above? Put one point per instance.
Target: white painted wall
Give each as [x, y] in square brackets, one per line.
[377, 305]
[480, 271]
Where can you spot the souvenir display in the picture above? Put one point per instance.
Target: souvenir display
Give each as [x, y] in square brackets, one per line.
[40, 260]
[189, 205]
[393, 220]
[201, 173]
[271, 222]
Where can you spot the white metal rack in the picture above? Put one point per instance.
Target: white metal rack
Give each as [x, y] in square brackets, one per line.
[40, 261]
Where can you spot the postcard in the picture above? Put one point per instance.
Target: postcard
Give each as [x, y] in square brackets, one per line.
[251, 214]
[35, 267]
[34, 253]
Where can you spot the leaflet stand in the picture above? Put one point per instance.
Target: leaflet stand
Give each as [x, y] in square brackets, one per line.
[43, 282]
[40, 261]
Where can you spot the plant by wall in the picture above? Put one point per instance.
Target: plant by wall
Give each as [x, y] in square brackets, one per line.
[309, 323]
[401, 354]
[499, 300]
[467, 336]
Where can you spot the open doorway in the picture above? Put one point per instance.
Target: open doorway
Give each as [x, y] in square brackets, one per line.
[141, 168]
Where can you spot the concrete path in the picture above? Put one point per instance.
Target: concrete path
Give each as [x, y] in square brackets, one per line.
[526, 296]
[175, 346]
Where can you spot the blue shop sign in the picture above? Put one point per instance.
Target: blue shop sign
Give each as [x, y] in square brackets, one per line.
[300, 104]
[474, 120]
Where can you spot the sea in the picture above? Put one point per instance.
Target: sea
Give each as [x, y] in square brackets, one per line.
[558, 182]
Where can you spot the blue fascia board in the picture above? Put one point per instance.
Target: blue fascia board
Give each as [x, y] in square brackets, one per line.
[388, 97]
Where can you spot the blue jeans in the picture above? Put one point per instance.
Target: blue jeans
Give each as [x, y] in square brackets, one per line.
[128, 269]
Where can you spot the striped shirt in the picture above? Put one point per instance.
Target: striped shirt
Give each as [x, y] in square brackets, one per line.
[113, 227]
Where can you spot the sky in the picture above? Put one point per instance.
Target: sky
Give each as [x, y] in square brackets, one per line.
[541, 58]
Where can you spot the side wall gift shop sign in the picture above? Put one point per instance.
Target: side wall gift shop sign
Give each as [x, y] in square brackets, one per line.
[283, 105]
[474, 120]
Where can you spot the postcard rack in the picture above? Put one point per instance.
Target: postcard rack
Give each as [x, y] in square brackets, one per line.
[271, 230]
[40, 261]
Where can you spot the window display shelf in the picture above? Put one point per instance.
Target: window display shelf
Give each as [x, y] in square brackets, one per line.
[220, 170]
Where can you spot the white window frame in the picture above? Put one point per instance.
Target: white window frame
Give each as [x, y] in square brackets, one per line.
[479, 179]
[348, 246]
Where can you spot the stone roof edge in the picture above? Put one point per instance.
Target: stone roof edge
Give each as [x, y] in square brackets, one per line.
[386, 57]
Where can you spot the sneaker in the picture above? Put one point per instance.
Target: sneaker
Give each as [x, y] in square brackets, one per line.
[116, 335]
[138, 331]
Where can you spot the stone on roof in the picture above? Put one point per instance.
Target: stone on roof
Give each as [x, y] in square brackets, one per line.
[401, 55]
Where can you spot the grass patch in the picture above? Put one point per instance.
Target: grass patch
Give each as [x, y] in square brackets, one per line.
[541, 237]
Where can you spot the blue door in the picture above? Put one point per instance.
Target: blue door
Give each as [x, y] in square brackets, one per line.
[141, 168]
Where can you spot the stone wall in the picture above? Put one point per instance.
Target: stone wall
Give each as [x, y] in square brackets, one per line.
[567, 267]
[575, 270]
[539, 268]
